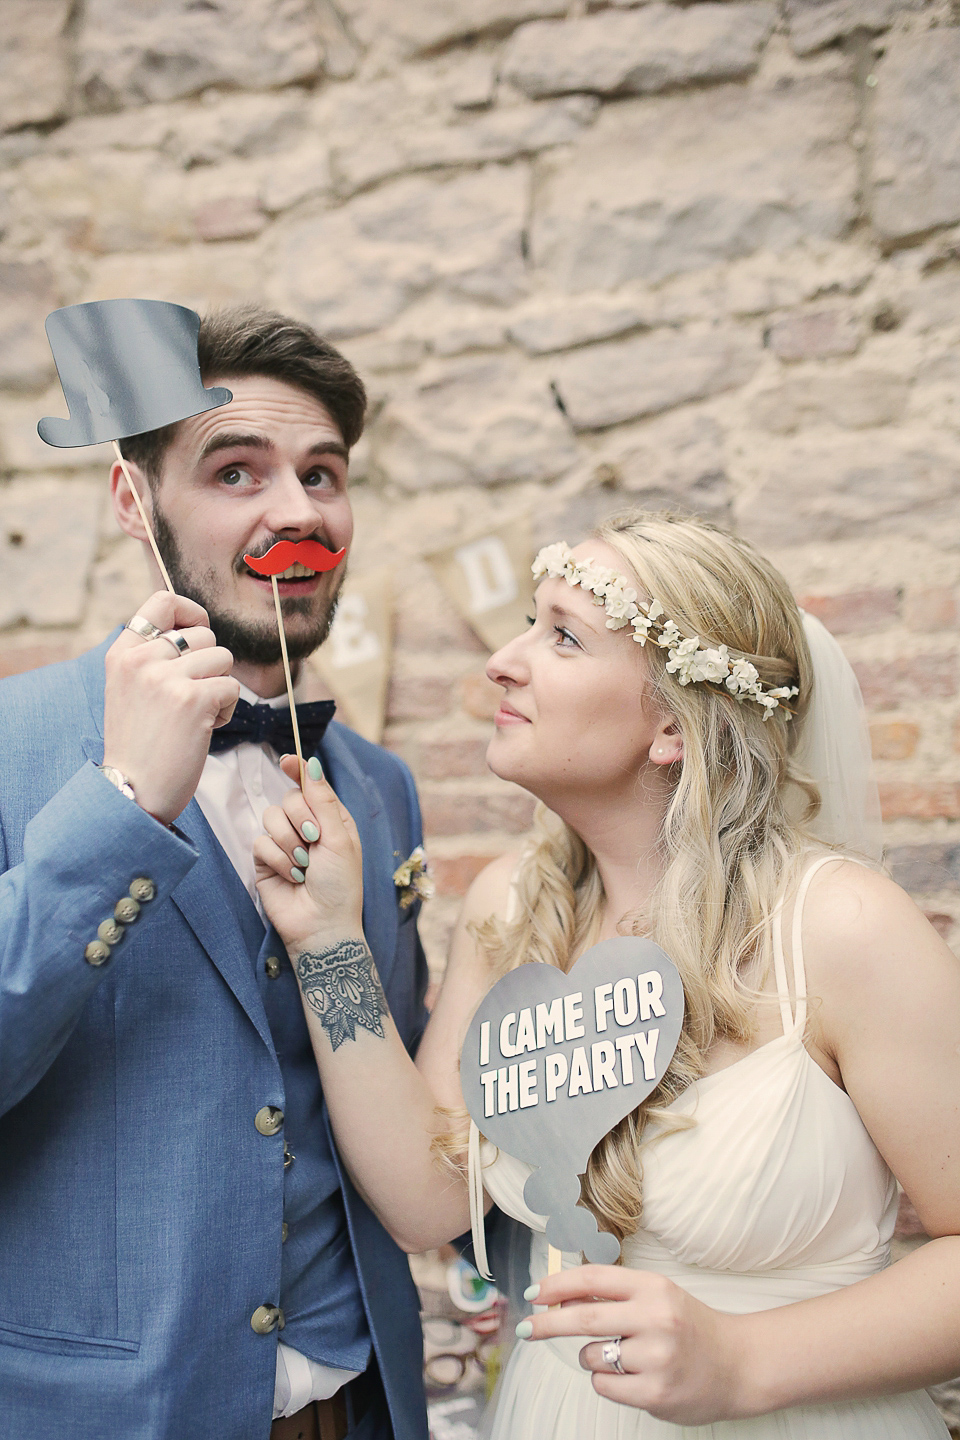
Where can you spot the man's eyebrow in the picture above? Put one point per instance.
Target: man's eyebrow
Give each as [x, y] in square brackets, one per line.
[235, 440]
[330, 447]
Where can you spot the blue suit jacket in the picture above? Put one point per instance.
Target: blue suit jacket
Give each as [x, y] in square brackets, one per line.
[140, 1209]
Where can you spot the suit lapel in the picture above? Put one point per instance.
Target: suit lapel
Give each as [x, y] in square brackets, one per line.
[211, 897]
[362, 799]
[214, 902]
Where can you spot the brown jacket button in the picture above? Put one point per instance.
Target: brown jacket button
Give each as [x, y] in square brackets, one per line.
[267, 1318]
[110, 931]
[268, 1120]
[97, 952]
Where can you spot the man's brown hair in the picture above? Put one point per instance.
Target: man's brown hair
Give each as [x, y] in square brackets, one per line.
[248, 340]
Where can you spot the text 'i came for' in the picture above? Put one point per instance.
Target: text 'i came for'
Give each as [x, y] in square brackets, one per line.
[587, 1069]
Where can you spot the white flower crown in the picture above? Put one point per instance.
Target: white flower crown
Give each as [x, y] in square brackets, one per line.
[685, 657]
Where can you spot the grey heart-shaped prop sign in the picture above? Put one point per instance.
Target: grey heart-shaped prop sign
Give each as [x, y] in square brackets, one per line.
[552, 1062]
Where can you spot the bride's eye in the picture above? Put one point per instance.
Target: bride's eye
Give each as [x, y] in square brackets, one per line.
[565, 635]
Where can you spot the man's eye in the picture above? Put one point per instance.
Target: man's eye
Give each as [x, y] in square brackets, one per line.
[320, 480]
[236, 478]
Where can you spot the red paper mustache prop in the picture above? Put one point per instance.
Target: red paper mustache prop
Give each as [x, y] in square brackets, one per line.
[285, 553]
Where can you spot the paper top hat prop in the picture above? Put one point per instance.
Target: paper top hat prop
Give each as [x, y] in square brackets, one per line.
[125, 366]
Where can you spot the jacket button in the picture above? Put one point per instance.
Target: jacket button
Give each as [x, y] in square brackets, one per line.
[126, 910]
[288, 1156]
[142, 889]
[268, 1120]
[272, 967]
[97, 952]
[110, 931]
[267, 1318]
[284, 1232]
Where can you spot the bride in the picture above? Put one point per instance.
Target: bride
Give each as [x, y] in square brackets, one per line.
[667, 711]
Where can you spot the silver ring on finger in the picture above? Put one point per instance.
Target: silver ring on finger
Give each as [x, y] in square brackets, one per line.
[143, 627]
[610, 1354]
[177, 639]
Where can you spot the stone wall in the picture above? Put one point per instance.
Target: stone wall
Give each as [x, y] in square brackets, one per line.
[585, 255]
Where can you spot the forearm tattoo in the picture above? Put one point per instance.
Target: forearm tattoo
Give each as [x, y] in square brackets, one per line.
[342, 985]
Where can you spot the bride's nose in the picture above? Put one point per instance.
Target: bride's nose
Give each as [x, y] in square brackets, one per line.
[507, 666]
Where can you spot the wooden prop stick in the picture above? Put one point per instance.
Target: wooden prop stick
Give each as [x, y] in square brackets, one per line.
[289, 678]
[313, 556]
[149, 528]
[554, 1264]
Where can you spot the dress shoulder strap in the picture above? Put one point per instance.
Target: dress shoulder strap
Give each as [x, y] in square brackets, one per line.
[795, 1020]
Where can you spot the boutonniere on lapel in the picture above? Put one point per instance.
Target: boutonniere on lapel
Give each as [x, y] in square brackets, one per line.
[412, 880]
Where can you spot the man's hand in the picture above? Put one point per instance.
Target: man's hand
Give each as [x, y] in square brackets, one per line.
[160, 708]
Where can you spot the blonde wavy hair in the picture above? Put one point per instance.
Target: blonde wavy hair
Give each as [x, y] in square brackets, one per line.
[734, 831]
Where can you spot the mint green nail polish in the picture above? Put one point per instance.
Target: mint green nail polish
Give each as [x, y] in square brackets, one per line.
[314, 768]
[301, 856]
[531, 1292]
[297, 875]
[524, 1330]
[309, 832]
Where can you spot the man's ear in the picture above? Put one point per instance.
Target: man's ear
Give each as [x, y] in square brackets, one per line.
[124, 505]
[667, 745]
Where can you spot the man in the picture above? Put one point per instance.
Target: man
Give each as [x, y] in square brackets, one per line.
[183, 1254]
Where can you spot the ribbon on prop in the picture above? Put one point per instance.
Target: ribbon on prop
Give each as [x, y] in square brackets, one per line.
[489, 581]
[355, 661]
[278, 559]
[553, 1061]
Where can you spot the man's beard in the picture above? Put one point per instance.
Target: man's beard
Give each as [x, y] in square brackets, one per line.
[253, 642]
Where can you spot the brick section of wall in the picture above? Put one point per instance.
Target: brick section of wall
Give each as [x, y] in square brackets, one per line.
[931, 609]
[894, 739]
[454, 874]
[460, 759]
[887, 684]
[855, 611]
[463, 812]
[926, 869]
[936, 799]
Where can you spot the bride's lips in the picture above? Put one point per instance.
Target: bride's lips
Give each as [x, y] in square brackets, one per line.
[506, 715]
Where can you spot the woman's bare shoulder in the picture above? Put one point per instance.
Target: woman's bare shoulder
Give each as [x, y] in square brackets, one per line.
[887, 1010]
[489, 894]
[862, 933]
[852, 906]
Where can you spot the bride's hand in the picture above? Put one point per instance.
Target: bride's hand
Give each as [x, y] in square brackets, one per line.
[309, 864]
[681, 1359]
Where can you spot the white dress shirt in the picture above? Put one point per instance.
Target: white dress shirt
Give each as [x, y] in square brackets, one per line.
[235, 788]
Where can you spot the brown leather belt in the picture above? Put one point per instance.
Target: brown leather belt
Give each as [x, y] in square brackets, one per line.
[320, 1420]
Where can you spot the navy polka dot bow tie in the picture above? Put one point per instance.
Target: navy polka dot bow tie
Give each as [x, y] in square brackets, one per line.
[260, 723]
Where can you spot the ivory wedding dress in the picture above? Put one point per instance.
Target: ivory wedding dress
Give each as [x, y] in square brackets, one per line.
[776, 1194]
